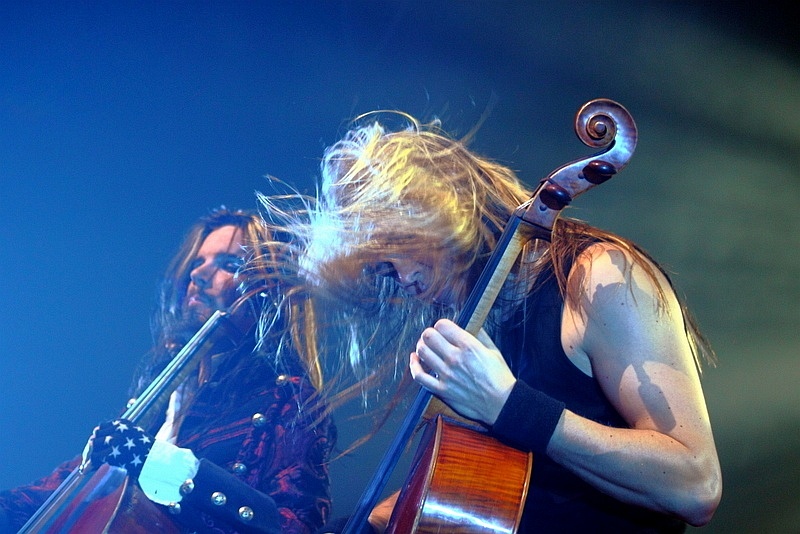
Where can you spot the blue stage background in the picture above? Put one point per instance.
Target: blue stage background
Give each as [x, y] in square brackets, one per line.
[121, 122]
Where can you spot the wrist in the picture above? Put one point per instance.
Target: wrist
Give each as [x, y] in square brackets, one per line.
[500, 400]
[167, 467]
[528, 418]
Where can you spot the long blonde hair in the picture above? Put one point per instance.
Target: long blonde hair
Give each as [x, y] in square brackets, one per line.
[417, 193]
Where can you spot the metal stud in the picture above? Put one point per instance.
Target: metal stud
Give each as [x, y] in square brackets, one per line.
[187, 487]
[239, 468]
[246, 513]
[259, 420]
[174, 508]
[219, 498]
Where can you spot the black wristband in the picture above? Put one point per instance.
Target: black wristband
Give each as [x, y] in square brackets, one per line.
[528, 418]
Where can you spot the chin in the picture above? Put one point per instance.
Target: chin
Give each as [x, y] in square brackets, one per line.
[197, 316]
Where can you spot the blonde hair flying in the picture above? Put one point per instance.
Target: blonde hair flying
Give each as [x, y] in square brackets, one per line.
[418, 193]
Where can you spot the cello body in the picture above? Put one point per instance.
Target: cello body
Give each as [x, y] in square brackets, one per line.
[103, 499]
[463, 481]
[106, 501]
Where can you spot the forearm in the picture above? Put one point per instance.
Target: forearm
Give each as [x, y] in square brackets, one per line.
[639, 466]
[220, 494]
[642, 467]
[174, 477]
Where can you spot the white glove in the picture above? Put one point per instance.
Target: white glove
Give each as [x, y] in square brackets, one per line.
[166, 468]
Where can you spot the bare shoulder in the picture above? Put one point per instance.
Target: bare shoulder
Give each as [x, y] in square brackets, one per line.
[598, 303]
[622, 308]
[606, 273]
[629, 329]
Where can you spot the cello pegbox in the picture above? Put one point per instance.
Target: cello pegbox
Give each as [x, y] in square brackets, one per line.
[598, 171]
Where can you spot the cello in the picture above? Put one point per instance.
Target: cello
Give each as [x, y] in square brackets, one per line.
[453, 484]
[103, 498]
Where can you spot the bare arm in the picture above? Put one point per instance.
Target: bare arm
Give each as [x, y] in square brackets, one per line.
[640, 356]
[638, 353]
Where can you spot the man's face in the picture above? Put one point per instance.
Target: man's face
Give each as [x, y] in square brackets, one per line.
[416, 277]
[211, 286]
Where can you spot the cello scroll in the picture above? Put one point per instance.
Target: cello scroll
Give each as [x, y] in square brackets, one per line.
[600, 123]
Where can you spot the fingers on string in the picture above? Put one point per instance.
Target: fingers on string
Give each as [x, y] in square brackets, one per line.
[421, 375]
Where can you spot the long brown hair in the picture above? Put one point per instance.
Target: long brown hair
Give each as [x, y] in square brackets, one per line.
[263, 275]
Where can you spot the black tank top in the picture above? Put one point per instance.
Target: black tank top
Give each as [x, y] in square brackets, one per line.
[559, 501]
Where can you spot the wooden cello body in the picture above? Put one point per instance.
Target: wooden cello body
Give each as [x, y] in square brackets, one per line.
[105, 500]
[455, 501]
[462, 482]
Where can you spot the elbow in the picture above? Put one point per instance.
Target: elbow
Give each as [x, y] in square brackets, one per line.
[703, 508]
[702, 500]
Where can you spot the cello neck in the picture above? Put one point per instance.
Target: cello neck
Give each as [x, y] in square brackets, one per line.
[600, 123]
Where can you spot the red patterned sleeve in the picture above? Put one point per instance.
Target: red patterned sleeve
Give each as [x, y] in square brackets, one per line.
[295, 471]
[19, 504]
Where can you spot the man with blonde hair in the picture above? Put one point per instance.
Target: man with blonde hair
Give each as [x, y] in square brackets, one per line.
[588, 358]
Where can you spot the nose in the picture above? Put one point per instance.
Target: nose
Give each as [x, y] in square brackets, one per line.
[407, 276]
[410, 276]
[201, 276]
